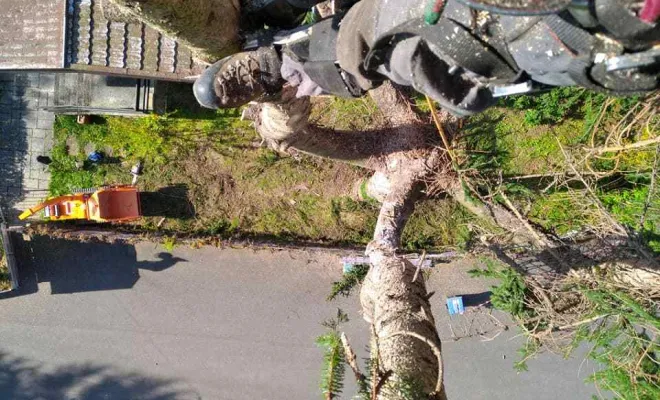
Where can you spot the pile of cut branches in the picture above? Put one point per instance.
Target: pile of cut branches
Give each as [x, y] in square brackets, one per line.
[613, 306]
[602, 283]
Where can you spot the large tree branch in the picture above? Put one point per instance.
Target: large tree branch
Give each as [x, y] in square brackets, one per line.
[394, 302]
[285, 125]
[403, 156]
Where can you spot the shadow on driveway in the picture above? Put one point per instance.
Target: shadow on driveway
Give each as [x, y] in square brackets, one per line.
[23, 379]
[73, 267]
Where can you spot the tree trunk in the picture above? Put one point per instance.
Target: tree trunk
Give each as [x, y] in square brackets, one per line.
[398, 307]
[285, 125]
[208, 27]
[403, 156]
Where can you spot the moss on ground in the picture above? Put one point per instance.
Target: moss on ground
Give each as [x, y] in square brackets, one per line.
[209, 175]
[525, 136]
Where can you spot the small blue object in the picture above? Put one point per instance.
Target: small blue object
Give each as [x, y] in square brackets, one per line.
[348, 263]
[95, 157]
[347, 267]
[455, 305]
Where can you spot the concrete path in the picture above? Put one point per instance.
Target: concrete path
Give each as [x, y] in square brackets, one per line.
[26, 131]
[99, 321]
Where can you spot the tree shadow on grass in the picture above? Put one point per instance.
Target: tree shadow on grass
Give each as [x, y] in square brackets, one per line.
[24, 379]
[481, 144]
[169, 202]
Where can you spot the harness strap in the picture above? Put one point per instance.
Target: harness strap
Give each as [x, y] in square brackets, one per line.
[577, 39]
[321, 65]
[582, 68]
[581, 43]
[452, 40]
[618, 20]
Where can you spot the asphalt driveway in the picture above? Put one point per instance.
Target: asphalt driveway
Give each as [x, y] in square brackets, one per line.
[100, 321]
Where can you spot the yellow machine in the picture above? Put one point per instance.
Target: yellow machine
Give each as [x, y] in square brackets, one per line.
[108, 204]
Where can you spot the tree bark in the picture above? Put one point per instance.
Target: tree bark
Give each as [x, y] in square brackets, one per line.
[208, 27]
[285, 125]
[397, 307]
[403, 156]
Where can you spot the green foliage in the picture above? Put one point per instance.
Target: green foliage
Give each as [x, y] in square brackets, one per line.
[348, 281]
[565, 211]
[334, 363]
[559, 104]
[498, 141]
[67, 172]
[332, 374]
[311, 17]
[347, 114]
[169, 243]
[232, 184]
[437, 224]
[223, 227]
[528, 350]
[625, 343]
[592, 108]
[526, 138]
[627, 206]
[267, 158]
[509, 295]
[138, 139]
[483, 145]
[562, 212]
[624, 335]
[132, 139]
[550, 107]
[151, 138]
[408, 388]
[5, 279]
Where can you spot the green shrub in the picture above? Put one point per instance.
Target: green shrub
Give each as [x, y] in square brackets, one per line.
[550, 107]
[622, 330]
[510, 294]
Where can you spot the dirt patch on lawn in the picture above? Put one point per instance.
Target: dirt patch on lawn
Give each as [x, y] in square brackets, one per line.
[212, 186]
[208, 175]
[260, 192]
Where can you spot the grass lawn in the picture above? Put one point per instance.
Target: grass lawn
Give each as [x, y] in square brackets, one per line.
[522, 145]
[207, 174]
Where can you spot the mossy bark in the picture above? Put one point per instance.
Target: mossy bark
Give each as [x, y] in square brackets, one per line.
[397, 305]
